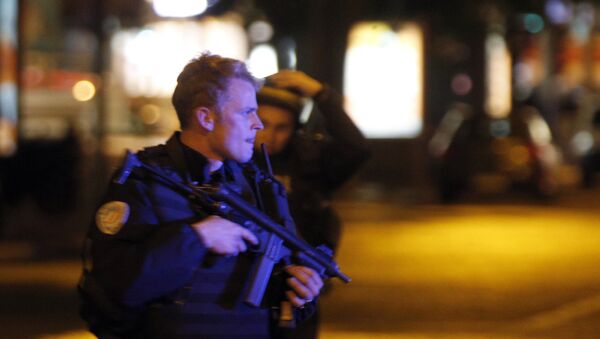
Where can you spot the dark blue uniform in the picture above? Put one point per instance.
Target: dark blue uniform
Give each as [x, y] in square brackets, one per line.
[148, 273]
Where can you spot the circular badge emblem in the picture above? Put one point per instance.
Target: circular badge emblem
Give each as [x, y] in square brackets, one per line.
[111, 217]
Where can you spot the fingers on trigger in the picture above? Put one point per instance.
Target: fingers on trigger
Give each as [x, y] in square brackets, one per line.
[294, 299]
[302, 290]
[249, 236]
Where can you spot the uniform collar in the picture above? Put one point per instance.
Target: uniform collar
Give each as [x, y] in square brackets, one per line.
[193, 165]
[197, 164]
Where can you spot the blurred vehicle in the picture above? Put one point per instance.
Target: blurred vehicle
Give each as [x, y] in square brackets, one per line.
[476, 153]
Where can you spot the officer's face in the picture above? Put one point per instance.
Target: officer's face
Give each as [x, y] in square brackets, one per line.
[235, 128]
[278, 128]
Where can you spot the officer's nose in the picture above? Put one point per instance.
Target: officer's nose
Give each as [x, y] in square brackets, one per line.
[257, 123]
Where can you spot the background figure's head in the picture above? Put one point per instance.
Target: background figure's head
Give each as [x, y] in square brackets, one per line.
[279, 111]
[203, 82]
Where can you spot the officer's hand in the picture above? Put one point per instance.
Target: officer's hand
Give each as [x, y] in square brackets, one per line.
[296, 80]
[305, 283]
[223, 237]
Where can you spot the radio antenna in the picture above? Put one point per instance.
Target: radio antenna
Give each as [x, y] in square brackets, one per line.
[265, 153]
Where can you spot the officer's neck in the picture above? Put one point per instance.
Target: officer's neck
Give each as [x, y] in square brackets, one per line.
[200, 145]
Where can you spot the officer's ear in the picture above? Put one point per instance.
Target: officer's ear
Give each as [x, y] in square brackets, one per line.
[205, 118]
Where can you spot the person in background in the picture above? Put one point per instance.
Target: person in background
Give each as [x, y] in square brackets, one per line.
[312, 164]
[158, 266]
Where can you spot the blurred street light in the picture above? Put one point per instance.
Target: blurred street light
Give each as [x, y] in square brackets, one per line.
[179, 8]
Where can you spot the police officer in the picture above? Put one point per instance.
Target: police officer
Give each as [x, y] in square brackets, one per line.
[157, 266]
[313, 162]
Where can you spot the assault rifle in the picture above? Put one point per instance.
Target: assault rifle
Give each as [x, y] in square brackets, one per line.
[275, 241]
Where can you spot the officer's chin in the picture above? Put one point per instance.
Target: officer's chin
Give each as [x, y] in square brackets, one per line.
[243, 158]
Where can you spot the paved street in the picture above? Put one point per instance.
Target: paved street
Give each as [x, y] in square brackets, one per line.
[469, 270]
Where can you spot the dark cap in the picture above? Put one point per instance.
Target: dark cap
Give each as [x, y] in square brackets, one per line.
[281, 98]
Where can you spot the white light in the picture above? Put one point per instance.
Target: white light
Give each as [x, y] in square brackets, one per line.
[539, 129]
[260, 31]
[292, 60]
[384, 79]
[498, 77]
[179, 8]
[262, 61]
[582, 142]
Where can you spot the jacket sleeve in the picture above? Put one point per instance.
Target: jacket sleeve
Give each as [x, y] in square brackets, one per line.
[345, 149]
[150, 255]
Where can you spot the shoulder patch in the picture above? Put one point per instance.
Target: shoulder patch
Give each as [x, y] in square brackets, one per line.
[111, 217]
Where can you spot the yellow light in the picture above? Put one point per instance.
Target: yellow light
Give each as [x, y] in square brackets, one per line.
[479, 245]
[150, 114]
[519, 155]
[84, 90]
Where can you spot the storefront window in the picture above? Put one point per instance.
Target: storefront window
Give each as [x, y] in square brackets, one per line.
[383, 79]
[145, 63]
[58, 77]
